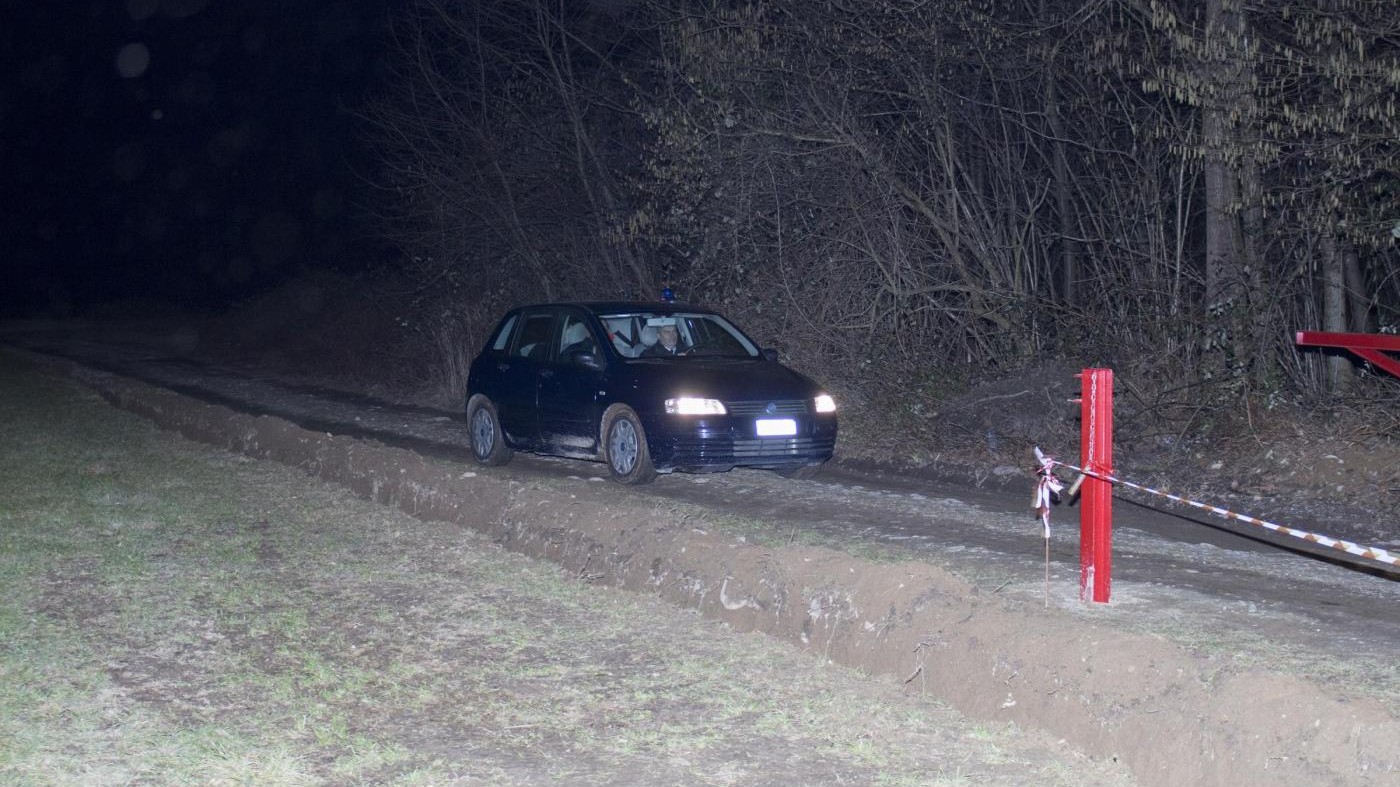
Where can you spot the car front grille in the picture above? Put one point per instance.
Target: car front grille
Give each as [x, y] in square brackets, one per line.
[779, 447]
[762, 451]
[759, 408]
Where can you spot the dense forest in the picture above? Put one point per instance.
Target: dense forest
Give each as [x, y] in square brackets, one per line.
[894, 191]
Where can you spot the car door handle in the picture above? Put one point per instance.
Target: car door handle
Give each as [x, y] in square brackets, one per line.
[546, 372]
[502, 366]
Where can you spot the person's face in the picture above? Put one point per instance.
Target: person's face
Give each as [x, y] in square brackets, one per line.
[668, 335]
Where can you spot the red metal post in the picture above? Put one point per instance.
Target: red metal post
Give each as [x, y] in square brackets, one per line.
[1096, 495]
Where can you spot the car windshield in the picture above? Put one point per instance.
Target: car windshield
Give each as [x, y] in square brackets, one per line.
[645, 334]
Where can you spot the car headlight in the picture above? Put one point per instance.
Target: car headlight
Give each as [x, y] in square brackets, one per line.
[825, 404]
[690, 405]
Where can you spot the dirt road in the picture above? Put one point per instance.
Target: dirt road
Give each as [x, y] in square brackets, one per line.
[1163, 554]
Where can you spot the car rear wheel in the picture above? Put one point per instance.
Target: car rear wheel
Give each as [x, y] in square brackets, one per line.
[488, 443]
[625, 447]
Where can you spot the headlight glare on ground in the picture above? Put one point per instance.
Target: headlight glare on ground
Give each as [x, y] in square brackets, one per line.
[825, 404]
[690, 405]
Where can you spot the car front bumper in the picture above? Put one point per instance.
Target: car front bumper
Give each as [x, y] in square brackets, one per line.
[721, 442]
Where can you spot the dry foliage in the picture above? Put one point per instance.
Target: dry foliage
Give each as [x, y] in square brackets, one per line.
[899, 195]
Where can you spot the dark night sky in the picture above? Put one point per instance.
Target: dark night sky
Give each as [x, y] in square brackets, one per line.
[187, 151]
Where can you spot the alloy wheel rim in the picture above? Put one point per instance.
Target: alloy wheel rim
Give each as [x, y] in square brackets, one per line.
[483, 433]
[622, 448]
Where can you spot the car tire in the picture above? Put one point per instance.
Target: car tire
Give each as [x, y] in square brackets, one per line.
[799, 472]
[484, 430]
[625, 447]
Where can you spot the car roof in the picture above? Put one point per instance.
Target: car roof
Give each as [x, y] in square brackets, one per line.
[616, 307]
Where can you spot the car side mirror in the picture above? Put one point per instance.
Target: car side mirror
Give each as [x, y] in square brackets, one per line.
[584, 358]
[769, 354]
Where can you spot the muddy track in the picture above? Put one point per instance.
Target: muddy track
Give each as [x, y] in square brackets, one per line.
[1177, 712]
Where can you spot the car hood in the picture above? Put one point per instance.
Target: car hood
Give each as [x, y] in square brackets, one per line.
[729, 379]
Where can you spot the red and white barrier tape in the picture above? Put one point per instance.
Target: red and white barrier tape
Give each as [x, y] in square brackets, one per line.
[1370, 553]
[1048, 487]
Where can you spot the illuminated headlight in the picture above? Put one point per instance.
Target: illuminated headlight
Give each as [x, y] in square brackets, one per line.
[689, 405]
[825, 404]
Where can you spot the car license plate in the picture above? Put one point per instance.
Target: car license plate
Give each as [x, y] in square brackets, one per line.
[775, 427]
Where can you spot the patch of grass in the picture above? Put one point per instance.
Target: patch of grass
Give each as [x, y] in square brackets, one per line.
[177, 615]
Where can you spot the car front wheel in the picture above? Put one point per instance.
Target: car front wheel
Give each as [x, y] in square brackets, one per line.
[488, 443]
[625, 447]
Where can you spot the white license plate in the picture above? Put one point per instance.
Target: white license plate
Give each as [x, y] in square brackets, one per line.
[775, 427]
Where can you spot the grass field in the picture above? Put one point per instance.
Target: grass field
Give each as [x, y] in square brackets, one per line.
[173, 614]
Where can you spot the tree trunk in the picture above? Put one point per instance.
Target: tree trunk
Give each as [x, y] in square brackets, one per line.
[1334, 310]
[1251, 321]
[1064, 206]
[1358, 296]
[1224, 274]
[1069, 259]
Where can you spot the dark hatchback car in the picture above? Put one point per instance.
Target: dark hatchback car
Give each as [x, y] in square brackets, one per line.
[646, 388]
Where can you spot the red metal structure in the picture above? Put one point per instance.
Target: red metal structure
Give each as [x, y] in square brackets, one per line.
[1096, 457]
[1371, 346]
[1096, 496]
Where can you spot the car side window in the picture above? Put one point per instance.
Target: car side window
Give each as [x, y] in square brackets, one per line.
[534, 336]
[575, 337]
[624, 336]
[715, 339]
[503, 334]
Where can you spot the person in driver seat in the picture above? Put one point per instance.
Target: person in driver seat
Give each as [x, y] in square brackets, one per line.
[668, 342]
